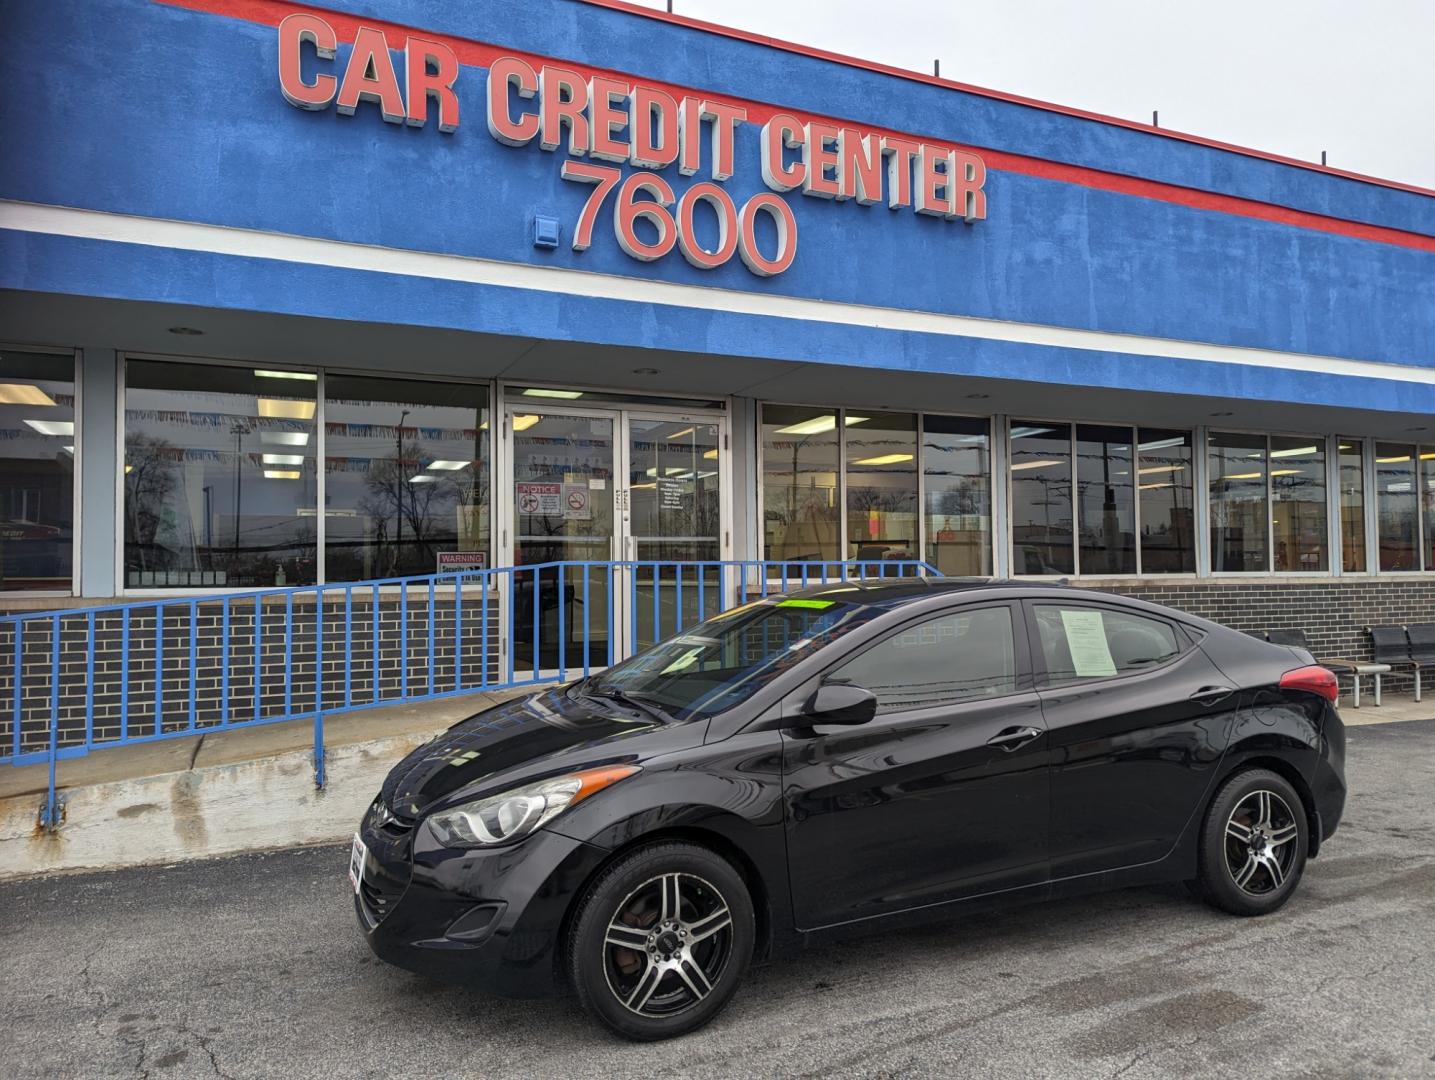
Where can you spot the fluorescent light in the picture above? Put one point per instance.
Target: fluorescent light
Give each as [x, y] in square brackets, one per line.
[524, 421]
[68, 449]
[1023, 432]
[1035, 464]
[883, 459]
[1286, 472]
[1298, 451]
[680, 434]
[1162, 444]
[54, 427]
[1427, 457]
[1161, 469]
[282, 459]
[282, 474]
[301, 376]
[1398, 487]
[1242, 476]
[642, 487]
[818, 424]
[1153, 487]
[23, 394]
[710, 453]
[567, 395]
[285, 408]
[284, 438]
[422, 479]
[448, 466]
[1381, 460]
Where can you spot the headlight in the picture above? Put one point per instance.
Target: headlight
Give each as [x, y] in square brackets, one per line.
[512, 815]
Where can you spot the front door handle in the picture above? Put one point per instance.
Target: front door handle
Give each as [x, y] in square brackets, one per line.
[1012, 738]
[1212, 695]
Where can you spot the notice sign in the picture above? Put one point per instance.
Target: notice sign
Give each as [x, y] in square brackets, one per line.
[670, 494]
[451, 562]
[577, 503]
[545, 499]
[1086, 638]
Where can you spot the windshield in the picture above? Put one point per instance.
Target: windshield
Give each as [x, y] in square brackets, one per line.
[725, 660]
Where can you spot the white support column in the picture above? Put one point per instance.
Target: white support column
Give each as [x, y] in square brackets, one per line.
[98, 558]
[1201, 499]
[1001, 500]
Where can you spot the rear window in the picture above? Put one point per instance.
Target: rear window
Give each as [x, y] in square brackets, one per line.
[1100, 643]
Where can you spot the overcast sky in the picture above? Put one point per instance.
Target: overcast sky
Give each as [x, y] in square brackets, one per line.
[1355, 78]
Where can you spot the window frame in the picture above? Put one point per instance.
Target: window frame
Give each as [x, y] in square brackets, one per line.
[122, 359]
[77, 484]
[995, 426]
[1021, 653]
[1186, 639]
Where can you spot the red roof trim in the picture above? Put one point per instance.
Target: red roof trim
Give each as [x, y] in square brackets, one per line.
[998, 95]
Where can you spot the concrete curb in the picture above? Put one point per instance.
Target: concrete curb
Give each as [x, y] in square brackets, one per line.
[222, 809]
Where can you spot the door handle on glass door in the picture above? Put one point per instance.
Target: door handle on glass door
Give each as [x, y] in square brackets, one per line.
[1012, 738]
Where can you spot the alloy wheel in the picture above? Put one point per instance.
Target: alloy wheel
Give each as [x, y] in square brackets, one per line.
[1260, 837]
[668, 946]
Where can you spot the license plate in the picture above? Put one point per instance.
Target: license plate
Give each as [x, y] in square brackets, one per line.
[357, 855]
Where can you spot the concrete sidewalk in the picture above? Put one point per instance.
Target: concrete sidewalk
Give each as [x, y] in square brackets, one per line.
[247, 789]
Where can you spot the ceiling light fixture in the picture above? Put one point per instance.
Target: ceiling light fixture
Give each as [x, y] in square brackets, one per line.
[300, 376]
[448, 466]
[1298, 451]
[285, 408]
[524, 421]
[282, 459]
[23, 394]
[566, 395]
[53, 427]
[282, 474]
[1036, 464]
[884, 459]
[284, 438]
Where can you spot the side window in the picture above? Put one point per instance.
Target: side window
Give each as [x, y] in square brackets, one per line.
[955, 657]
[1097, 643]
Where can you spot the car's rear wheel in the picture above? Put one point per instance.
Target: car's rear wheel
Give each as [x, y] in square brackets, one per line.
[1253, 844]
[661, 940]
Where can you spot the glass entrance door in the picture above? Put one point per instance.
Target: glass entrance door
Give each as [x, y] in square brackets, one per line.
[675, 518]
[640, 489]
[564, 466]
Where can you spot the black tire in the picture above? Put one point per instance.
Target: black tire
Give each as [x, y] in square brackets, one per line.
[1253, 844]
[663, 979]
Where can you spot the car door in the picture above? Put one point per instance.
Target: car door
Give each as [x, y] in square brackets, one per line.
[920, 805]
[1138, 719]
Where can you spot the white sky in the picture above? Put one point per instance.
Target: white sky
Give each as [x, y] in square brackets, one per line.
[1355, 78]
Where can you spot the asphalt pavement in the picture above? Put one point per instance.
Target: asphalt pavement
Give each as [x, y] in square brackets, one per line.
[252, 967]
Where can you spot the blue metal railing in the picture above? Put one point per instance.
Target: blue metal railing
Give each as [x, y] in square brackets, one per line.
[150, 670]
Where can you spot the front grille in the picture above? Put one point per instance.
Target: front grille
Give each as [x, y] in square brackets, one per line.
[378, 893]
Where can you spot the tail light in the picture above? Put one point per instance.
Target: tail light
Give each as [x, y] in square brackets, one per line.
[1313, 680]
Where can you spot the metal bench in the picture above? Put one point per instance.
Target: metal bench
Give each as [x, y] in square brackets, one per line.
[1354, 668]
[1422, 649]
[1391, 645]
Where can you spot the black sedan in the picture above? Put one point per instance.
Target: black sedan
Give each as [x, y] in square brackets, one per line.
[855, 756]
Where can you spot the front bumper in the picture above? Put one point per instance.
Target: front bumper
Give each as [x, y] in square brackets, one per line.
[489, 919]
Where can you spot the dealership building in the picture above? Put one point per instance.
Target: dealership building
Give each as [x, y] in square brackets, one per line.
[294, 295]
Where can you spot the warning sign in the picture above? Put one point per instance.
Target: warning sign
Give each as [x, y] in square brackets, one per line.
[545, 499]
[451, 561]
[576, 503]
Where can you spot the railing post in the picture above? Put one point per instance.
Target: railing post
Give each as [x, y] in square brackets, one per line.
[319, 687]
[50, 810]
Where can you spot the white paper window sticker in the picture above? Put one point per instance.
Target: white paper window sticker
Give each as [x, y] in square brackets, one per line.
[1086, 641]
[683, 661]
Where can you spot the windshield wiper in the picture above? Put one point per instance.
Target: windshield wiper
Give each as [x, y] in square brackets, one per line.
[642, 704]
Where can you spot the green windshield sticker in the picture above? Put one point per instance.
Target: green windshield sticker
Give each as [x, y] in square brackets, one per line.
[683, 661]
[818, 604]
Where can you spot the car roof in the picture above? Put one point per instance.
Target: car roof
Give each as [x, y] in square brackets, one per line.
[896, 592]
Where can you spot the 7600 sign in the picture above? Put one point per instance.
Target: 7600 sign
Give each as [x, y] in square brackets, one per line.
[736, 229]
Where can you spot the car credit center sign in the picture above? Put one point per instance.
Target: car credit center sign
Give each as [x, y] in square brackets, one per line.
[608, 119]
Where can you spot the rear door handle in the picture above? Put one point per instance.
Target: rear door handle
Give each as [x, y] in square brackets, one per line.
[1212, 695]
[1012, 738]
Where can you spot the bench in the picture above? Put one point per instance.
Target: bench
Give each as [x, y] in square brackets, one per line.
[1354, 668]
[1410, 647]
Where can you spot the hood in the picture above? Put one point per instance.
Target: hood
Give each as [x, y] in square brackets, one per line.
[537, 734]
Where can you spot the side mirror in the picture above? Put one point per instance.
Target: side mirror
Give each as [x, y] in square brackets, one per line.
[840, 703]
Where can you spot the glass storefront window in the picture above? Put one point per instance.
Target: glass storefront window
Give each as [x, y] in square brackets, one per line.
[1168, 520]
[799, 483]
[1427, 473]
[1352, 506]
[1239, 522]
[1298, 515]
[1041, 510]
[1397, 507]
[220, 476]
[881, 458]
[1106, 510]
[406, 475]
[37, 470]
[956, 465]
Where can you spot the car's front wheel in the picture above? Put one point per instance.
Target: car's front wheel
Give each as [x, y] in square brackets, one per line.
[661, 940]
[1253, 844]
